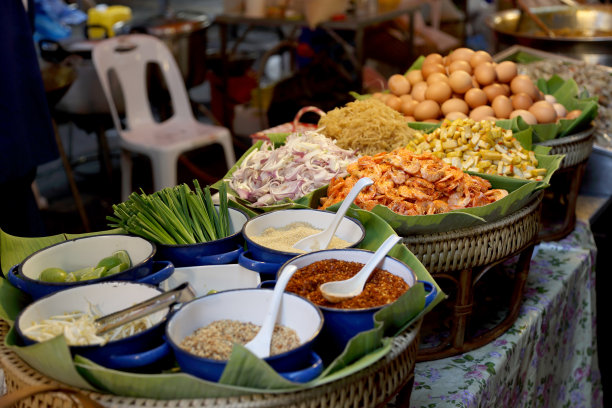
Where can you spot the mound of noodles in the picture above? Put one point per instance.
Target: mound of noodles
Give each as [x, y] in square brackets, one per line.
[367, 126]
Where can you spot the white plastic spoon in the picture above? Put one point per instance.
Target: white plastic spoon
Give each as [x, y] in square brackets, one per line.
[260, 345]
[337, 291]
[321, 240]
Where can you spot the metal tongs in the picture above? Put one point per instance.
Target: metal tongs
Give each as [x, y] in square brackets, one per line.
[181, 294]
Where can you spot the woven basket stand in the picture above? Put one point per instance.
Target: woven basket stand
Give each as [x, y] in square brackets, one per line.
[391, 377]
[565, 184]
[463, 256]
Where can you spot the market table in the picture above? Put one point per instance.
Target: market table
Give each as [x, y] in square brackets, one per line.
[547, 358]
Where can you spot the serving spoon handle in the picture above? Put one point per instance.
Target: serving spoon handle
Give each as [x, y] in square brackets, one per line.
[182, 293]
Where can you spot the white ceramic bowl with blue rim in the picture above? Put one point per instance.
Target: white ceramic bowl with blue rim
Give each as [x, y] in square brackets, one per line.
[204, 279]
[83, 252]
[248, 305]
[220, 251]
[349, 229]
[135, 351]
[341, 325]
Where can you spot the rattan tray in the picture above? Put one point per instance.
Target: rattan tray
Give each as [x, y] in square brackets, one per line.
[576, 148]
[479, 245]
[373, 386]
[459, 259]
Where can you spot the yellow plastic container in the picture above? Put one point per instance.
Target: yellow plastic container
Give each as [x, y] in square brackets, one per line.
[106, 16]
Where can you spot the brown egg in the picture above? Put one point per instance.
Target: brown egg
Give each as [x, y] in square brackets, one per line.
[550, 99]
[521, 101]
[428, 69]
[377, 95]
[439, 92]
[543, 111]
[460, 81]
[485, 73]
[426, 110]
[398, 84]
[506, 71]
[455, 105]
[414, 76]
[410, 118]
[475, 83]
[461, 54]
[384, 96]
[460, 65]
[560, 109]
[433, 58]
[475, 97]
[522, 83]
[455, 115]
[493, 91]
[432, 121]
[407, 107]
[418, 91]
[479, 57]
[481, 112]
[437, 77]
[406, 97]
[502, 106]
[394, 102]
[526, 115]
[506, 87]
[573, 114]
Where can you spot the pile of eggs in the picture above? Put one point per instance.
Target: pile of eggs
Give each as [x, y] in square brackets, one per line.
[467, 83]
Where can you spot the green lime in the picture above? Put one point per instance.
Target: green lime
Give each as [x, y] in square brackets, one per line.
[70, 277]
[124, 257]
[93, 273]
[109, 262]
[53, 275]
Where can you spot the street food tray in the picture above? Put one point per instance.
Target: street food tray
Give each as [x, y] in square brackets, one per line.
[373, 386]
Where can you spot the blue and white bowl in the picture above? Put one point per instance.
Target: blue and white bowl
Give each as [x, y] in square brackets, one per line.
[248, 305]
[349, 229]
[138, 350]
[85, 252]
[341, 325]
[221, 251]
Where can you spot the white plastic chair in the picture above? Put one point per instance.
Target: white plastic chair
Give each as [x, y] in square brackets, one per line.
[163, 142]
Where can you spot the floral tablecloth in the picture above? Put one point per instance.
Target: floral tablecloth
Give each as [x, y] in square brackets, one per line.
[548, 358]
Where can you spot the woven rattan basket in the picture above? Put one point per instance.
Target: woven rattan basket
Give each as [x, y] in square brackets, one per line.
[373, 386]
[463, 257]
[478, 245]
[559, 204]
[576, 148]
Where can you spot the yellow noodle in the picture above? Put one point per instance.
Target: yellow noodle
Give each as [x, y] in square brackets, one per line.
[367, 126]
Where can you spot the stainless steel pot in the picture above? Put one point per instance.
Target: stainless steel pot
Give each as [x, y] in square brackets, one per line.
[583, 32]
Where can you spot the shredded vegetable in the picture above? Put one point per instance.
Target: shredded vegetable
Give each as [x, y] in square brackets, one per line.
[304, 163]
[79, 329]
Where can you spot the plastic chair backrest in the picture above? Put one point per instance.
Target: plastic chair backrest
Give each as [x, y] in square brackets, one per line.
[128, 56]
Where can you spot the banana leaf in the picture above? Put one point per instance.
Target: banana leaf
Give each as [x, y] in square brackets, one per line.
[16, 249]
[245, 373]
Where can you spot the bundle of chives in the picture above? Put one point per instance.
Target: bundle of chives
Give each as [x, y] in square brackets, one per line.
[174, 215]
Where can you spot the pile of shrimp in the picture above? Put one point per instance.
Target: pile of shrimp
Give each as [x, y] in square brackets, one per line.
[412, 184]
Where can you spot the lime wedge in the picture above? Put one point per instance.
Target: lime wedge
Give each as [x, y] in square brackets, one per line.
[113, 270]
[70, 277]
[95, 273]
[53, 275]
[109, 262]
[88, 273]
[124, 257]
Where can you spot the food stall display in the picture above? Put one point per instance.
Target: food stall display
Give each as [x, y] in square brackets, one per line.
[462, 185]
